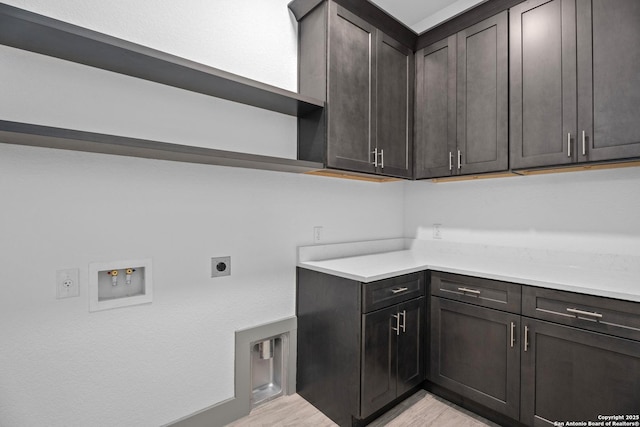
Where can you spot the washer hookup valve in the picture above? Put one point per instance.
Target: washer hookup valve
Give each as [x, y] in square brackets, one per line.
[129, 272]
[114, 277]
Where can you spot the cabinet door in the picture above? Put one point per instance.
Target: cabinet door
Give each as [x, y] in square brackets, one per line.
[379, 359]
[351, 100]
[542, 47]
[435, 137]
[482, 99]
[473, 354]
[608, 79]
[570, 374]
[394, 135]
[411, 345]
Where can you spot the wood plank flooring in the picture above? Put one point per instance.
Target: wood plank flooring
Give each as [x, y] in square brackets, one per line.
[420, 410]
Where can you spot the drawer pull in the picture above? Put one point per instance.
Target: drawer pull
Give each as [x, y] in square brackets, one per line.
[469, 291]
[584, 313]
[397, 291]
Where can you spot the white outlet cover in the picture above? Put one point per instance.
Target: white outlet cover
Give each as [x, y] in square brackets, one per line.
[67, 283]
[437, 231]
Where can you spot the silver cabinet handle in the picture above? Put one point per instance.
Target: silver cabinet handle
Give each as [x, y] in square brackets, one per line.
[584, 313]
[450, 160]
[397, 291]
[584, 143]
[513, 338]
[404, 320]
[459, 159]
[526, 338]
[375, 157]
[382, 159]
[569, 144]
[397, 328]
[469, 291]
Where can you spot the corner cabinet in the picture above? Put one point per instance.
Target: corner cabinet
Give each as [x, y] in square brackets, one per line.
[360, 345]
[366, 78]
[462, 102]
[575, 81]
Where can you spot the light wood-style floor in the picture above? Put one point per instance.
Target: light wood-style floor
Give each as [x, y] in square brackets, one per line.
[420, 410]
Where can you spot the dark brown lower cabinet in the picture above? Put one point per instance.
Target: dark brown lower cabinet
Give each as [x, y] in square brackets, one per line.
[475, 353]
[360, 345]
[556, 357]
[391, 359]
[570, 374]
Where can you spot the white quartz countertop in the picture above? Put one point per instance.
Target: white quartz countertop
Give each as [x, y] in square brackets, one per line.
[603, 275]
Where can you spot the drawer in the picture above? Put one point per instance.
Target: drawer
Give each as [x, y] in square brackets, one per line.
[383, 293]
[599, 314]
[503, 296]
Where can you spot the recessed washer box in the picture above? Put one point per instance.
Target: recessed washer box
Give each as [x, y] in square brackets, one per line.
[119, 284]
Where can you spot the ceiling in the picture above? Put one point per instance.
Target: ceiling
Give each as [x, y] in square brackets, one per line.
[421, 15]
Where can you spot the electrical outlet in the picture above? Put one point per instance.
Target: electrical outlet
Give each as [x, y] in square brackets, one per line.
[67, 283]
[221, 266]
[317, 234]
[437, 231]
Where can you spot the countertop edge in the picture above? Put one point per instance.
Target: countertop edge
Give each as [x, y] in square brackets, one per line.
[475, 273]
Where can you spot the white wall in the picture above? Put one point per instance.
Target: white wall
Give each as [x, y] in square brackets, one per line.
[594, 211]
[147, 365]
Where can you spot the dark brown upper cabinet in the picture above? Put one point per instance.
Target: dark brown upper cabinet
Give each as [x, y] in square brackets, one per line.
[366, 78]
[575, 81]
[462, 102]
[608, 79]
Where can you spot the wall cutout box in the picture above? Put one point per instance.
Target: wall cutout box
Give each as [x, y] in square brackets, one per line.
[119, 284]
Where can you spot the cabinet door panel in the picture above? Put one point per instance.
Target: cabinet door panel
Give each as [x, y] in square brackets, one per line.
[571, 374]
[411, 345]
[471, 354]
[395, 106]
[482, 100]
[378, 360]
[609, 78]
[351, 92]
[435, 109]
[543, 83]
